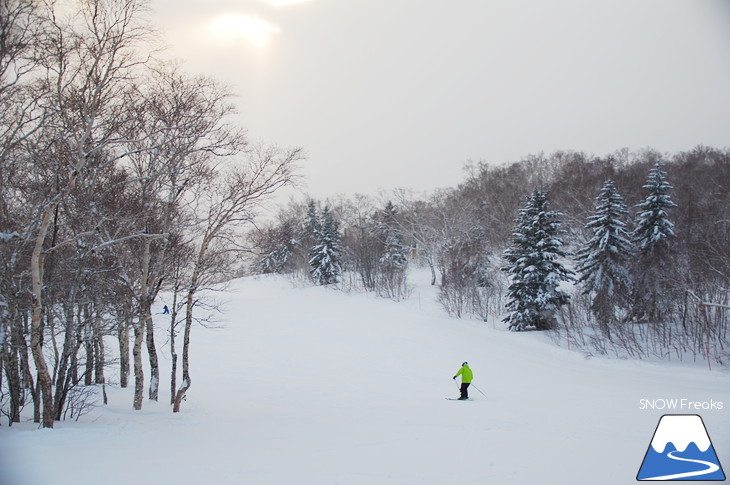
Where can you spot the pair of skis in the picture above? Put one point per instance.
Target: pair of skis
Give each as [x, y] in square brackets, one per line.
[467, 399]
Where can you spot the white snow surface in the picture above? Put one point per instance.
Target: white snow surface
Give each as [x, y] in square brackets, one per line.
[309, 385]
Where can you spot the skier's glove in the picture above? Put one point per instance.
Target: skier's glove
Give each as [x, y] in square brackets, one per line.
[454, 377]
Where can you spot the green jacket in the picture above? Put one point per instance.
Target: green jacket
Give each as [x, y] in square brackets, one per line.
[466, 374]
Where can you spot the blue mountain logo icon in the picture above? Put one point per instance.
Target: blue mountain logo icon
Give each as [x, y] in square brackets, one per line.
[681, 450]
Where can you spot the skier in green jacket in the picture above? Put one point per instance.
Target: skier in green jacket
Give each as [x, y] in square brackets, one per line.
[466, 377]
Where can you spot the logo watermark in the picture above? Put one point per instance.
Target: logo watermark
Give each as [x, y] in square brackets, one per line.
[681, 449]
[679, 404]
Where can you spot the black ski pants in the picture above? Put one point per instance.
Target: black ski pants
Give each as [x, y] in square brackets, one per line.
[464, 387]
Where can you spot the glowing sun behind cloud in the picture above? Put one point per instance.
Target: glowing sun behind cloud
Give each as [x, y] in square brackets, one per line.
[233, 27]
[284, 3]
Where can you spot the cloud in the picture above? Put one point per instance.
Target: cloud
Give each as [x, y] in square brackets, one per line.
[284, 3]
[233, 27]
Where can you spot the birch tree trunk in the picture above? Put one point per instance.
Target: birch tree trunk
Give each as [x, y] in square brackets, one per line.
[173, 350]
[36, 329]
[138, 371]
[4, 337]
[26, 376]
[189, 306]
[152, 351]
[186, 381]
[62, 375]
[99, 359]
[14, 389]
[12, 369]
[123, 335]
[145, 318]
[88, 347]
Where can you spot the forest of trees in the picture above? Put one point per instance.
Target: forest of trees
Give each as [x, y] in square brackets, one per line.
[121, 176]
[626, 254]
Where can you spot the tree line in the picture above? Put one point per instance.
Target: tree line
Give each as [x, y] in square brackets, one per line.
[626, 253]
[121, 176]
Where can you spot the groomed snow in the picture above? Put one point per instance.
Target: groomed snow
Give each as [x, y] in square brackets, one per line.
[307, 385]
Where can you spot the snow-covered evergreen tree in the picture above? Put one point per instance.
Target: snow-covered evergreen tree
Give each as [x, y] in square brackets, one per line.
[311, 223]
[654, 229]
[274, 261]
[394, 250]
[655, 272]
[325, 254]
[279, 247]
[391, 280]
[534, 267]
[603, 260]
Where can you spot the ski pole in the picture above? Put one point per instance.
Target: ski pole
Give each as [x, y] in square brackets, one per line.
[480, 391]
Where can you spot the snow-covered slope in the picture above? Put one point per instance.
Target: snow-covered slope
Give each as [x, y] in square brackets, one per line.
[315, 386]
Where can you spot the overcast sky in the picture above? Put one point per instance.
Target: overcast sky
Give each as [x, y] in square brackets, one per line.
[400, 93]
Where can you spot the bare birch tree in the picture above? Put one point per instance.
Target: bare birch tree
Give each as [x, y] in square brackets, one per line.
[182, 119]
[20, 117]
[88, 60]
[230, 202]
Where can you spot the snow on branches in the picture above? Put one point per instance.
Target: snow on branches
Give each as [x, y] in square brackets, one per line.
[534, 266]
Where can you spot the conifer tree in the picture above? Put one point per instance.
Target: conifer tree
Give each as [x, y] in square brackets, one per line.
[603, 261]
[311, 222]
[534, 267]
[325, 254]
[279, 249]
[394, 251]
[654, 271]
[391, 280]
[654, 229]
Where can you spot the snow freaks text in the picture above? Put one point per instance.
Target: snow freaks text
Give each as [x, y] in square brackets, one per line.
[663, 404]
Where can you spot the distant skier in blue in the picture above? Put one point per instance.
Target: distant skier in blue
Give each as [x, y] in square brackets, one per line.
[466, 377]
[165, 310]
